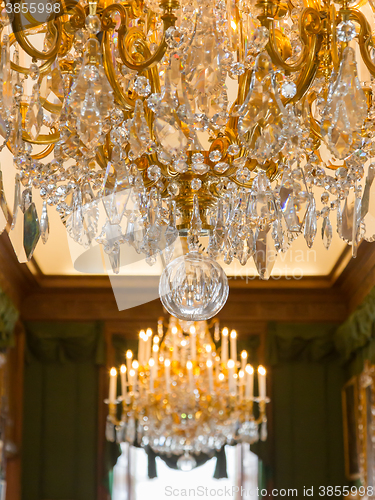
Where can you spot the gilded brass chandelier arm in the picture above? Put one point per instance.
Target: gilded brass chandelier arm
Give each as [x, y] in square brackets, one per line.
[44, 68]
[43, 154]
[135, 38]
[107, 25]
[309, 70]
[364, 38]
[42, 139]
[53, 25]
[308, 32]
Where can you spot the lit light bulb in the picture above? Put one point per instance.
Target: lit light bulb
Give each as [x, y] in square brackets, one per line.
[221, 377]
[225, 331]
[230, 364]
[135, 365]
[174, 330]
[151, 362]
[249, 369]
[189, 365]
[192, 329]
[129, 354]
[167, 362]
[209, 363]
[113, 372]
[149, 332]
[123, 369]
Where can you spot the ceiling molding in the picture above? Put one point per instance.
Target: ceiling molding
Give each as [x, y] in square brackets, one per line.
[327, 298]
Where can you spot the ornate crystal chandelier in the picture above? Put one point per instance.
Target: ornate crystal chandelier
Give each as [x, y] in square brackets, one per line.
[242, 122]
[185, 395]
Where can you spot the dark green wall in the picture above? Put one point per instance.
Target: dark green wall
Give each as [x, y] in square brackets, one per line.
[60, 431]
[307, 421]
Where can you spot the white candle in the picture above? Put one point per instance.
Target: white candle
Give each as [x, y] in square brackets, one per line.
[231, 381]
[189, 366]
[112, 385]
[151, 364]
[249, 382]
[123, 381]
[174, 342]
[240, 384]
[193, 342]
[243, 360]
[155, 353]
[217, 366]
[135, 366]
[167, 368]
[262, 381]
[141, 347]
[129, 356]
[148, 339]
[224, 346]
[210, 376]
[131, 375]
[233, 345]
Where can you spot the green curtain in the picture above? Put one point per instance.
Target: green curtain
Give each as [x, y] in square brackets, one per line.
[60, 411]
[355, 339]
[307, 377]
[8, 318]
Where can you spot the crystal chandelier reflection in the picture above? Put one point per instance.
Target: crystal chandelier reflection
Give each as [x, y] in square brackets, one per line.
[185, 394]
[243, 121]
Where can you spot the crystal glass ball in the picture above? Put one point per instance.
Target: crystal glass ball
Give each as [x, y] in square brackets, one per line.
[186, 463]
[193, 287]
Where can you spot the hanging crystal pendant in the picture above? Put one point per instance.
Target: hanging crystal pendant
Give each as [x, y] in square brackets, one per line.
[89, 122]
[31, 226]
[44, 224]
[326, 232]
[111, 238]
[346, 108]
[17, 200]
[34, 115]
[368, 205]
[6, 88]
[4, 213]
[311, 223]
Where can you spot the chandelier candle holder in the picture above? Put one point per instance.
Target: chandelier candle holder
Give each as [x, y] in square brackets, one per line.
[247, 123]
[185, 396]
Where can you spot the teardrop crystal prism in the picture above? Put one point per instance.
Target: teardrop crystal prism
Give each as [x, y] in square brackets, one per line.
[44, 224]
[310, 223]
[4, 213]
[346, 109]
[89, 122]
[31, 230]
[368, 204]
[34, 115]
[17, 200]
[139, 133]
[326, 232]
